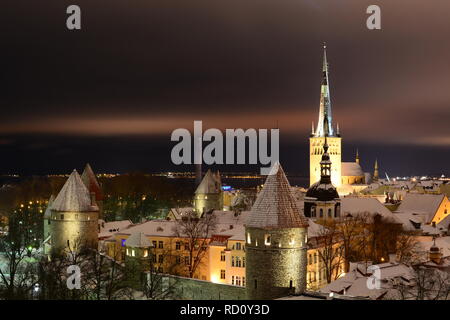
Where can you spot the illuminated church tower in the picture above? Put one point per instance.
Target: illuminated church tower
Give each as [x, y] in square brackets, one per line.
[325, 128]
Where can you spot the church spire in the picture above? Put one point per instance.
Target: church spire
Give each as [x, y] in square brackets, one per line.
[324, 126]
[375, 171]
[357, 156]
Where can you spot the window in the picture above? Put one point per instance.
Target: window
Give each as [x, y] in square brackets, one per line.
[145, 253]
[238, 281]
[310, 259]
[133, 253]
[61, 216]
[154, 258]
[161, 245]
[315, 257]
[243, 281]
[243, 262]
[232, 280]
[290, 284]
[238, 262]
[160, 258]
[178, 245]
[222, 274]
[222, 256]
[329, 213]
[267, 239]
[186, 246]
[128, 252]
[313, 211]
[232, 261]
[154, 244]
[249, 240]
[238, 246]
[321, 213]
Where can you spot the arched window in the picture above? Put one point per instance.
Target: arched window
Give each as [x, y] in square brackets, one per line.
[321, 213]
[313, 212]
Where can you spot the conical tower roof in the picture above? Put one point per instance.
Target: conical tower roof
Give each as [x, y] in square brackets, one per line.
[275, 207]
[90, 181]
[74, 196]
[325, 123]
[138, 240]
[210, 184]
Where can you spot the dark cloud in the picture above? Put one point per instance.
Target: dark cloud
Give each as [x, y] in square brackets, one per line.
[147, 67]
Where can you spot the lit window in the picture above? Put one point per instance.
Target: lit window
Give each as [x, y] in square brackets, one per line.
[145, 253]
[133, 253]
[128, 252]
[248, 238]
[267, 239]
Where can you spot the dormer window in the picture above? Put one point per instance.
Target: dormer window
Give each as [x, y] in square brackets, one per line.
[267, 239]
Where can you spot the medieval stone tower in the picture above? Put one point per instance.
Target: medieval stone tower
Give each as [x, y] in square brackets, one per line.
[276, 242]
[209, 195]
[74, 217]
[325, 128]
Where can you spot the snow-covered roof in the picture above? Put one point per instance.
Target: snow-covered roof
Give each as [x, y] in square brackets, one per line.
[275, 206]
[109, 228]
[355, 205]
[421, 203]
[351, 169]
[426, 242]
[90, 181]
[354, 283]
[210, 183]
[237, 232]
[138, 240]
[74, 196]
[162, 228]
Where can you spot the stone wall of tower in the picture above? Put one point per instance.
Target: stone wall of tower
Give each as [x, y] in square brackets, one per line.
[205, 202]
[315, 156]
[76, 228]
[278, 269]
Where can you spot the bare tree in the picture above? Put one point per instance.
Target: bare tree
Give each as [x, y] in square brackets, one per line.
[18, 272]
[425, 284]
[196, 233]
[329, 242]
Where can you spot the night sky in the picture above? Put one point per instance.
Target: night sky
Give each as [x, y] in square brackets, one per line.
[111, 93]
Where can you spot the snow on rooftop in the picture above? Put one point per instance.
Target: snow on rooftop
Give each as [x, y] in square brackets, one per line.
[74, 196]
[109, 228]
[275, 206]
[421, 203]
[352, 169]
[355, 205]
[210, 183]
[138, 240]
